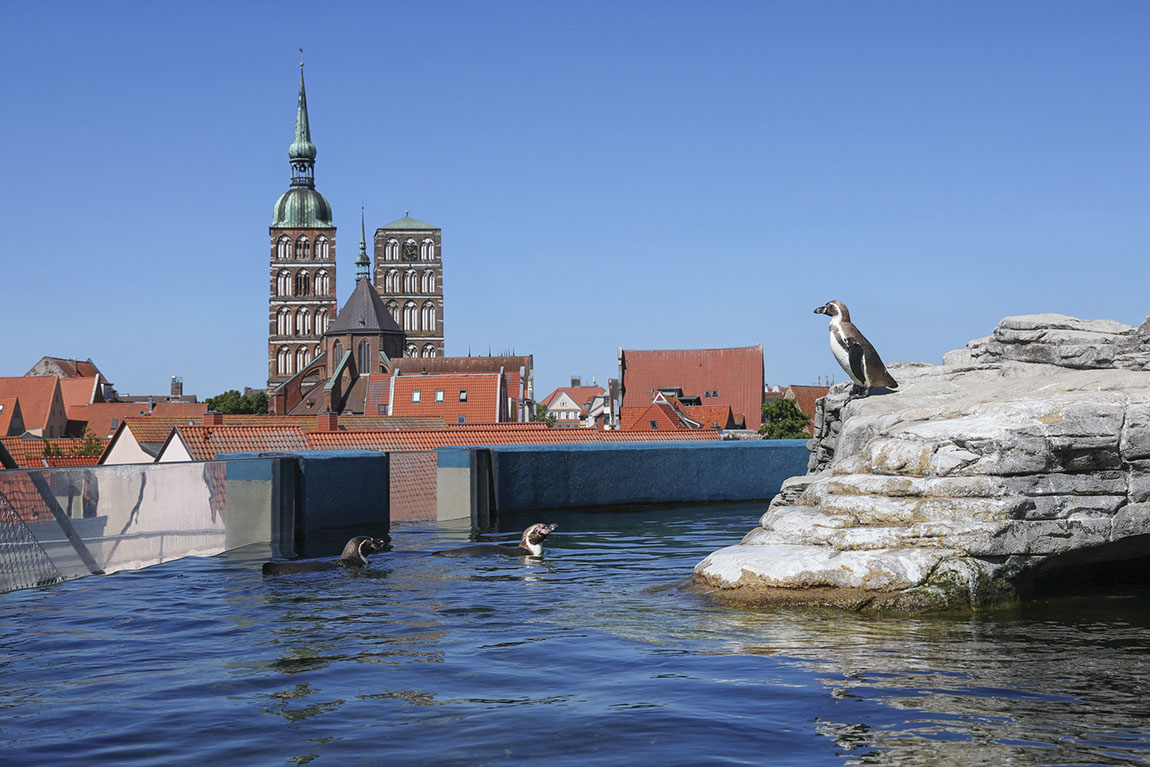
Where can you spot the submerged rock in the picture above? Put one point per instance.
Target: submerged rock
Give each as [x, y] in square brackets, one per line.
[1025, 452]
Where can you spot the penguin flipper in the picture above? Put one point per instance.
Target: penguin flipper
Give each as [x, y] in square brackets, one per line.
[855, 353]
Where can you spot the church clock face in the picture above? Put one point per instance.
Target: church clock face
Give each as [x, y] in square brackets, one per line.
[409, 250]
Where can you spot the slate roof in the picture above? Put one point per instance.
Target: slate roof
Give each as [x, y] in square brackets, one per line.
[733, 375]
[364, 312]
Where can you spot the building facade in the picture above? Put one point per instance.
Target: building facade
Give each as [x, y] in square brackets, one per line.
[302, 298]
[409, 278]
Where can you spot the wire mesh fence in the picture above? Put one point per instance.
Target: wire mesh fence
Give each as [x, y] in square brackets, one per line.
[23, 561]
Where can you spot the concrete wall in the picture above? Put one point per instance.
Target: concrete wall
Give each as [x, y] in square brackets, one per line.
[537, 477]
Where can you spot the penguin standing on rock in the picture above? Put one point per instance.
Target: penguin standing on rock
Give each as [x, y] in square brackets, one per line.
[854, 353]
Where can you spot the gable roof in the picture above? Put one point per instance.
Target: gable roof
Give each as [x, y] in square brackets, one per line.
[103, 418]
[514, 367]
[29, 453]
[492, 434]
[580, 395]
[806, 398]
[364, 312]
[65, 368]
[727, 376]
[711, 416]
[378, 393]
[204, 443]
[10, 416]
[79, 391]
[37, 394]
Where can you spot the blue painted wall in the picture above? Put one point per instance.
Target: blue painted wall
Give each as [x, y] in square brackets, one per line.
[570, 476]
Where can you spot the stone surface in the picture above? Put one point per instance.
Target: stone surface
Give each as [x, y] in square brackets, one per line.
[1024, 452]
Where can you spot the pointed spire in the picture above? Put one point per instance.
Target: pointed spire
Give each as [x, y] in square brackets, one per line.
[362, 263]
[302, 151]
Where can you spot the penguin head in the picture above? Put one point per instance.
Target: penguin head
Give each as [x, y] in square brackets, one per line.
[834, 309]
[536, 533]
[358, 549]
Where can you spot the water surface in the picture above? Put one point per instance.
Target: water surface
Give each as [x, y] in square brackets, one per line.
[591, 657]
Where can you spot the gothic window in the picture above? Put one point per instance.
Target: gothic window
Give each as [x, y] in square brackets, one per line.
[283, 248]
[393, 307]
[303, 323]
[322, 283]
[428, 317]
[283, 361]
[410, 281]
[364, 357]
[429, 281]
[429, 350]
[391, 250]
[321, 321]
[302, 358]
[302, 248]
[337, 352]
[322, 248]
[283, 283]
[409, 317]
[391, 281]
[302, 283]
[427, 250]
[283, 322]
[411, 350]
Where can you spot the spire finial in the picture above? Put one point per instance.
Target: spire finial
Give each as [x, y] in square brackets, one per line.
[362, 262]
[301, 58]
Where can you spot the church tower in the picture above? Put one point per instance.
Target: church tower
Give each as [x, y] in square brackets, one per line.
[409, 279]
[302, 300]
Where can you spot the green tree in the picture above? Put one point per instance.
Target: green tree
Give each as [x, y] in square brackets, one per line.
[541, 414]
[782, 419]
[91, 444]
[232, 402]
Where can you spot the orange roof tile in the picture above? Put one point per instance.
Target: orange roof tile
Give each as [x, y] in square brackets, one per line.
[711, 416]
[18, 488]
[493, 434]
[103, 418]
[580, 395]
[484, 392]
[806, 398]
[732, 376]
[9, 408]
[29, 453]
[78, 391]
[378, 391]
[204, 443]
[179, 409]
[38, 396]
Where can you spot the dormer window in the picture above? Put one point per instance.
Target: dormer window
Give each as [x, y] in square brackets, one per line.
[463, 395]
[439, 395]
[415, 396]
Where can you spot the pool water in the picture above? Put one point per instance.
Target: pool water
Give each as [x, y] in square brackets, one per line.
[593, 656]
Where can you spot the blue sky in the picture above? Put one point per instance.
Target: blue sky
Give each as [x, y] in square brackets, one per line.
[646, 174]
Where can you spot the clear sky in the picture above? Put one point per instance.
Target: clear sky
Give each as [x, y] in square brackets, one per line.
[637, 174]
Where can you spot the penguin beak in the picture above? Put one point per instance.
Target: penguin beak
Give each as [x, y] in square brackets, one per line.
[821, 310]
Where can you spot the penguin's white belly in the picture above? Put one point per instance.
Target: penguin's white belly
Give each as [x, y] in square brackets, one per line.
[840, 351]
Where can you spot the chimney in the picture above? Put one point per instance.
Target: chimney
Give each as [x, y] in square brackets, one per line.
[212, 418]
[575, 381]
[328, 421]
[177, 386]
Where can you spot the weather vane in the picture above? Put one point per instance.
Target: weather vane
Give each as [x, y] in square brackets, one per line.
[301, 57]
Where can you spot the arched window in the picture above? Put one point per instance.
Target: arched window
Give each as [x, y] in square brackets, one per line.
[322, 248]
[411, 351]
[322, 283]
[302, 358]
[409, 316]
[337, 352]
[410, 281]
[391, 281]
[428, 317]
[427, 250]
[283, 283]
[321, 321]
[283, 248]
[394, 309]
[283, 322]
[303, 323]
[364, 357]
[429, 350]
[429, 281]
[302, 248]
[302, 283]
[283, 361]
[391, 250]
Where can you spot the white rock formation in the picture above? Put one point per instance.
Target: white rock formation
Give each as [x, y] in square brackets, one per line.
[1027, 451]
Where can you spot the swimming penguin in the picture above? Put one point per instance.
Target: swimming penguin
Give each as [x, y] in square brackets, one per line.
[856, 355]
[354, 557]
[530, 545]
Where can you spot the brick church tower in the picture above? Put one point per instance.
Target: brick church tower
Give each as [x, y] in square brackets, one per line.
[302, 299]
[409, 279]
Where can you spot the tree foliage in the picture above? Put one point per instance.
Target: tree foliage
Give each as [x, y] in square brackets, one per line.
[232, 402]
[541, 414]
[782, 419]
[89, 445]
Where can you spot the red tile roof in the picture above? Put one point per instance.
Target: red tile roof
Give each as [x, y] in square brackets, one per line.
[40, 400]
[191, 410]
[734, 375]
[79, 391]
[658, 416]
[103, 418]
[483, 404]
[9, 407]
[378, 391]
[806, 398]
[29, 453]
[18, 488]
[206, 442]
[580, 395]
[711, 416]
[510, 365]
[494, 434]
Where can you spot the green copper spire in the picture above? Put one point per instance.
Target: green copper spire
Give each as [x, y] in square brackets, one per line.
[301, 206]
[362, 262]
